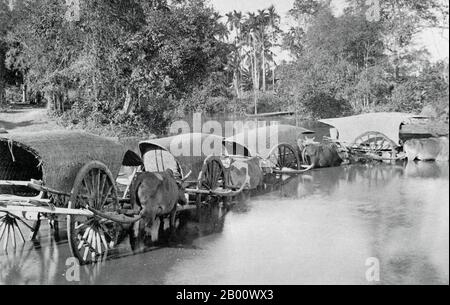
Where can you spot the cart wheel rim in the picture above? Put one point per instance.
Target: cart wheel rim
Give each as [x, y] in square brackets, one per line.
[373, 142]
[212, 175]
[284, 156]
[91, 238]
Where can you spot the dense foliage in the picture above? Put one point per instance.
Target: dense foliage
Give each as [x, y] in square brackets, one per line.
[351, 63]
[133, 66]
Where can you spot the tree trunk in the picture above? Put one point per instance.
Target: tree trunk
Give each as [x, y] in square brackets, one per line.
[51, 101]
[255, 97]
[128, 105]
[2, 76]
[237, 84]
[257, 75]
[255, 82]
[263, 69]
[273, 79]
[24, 93]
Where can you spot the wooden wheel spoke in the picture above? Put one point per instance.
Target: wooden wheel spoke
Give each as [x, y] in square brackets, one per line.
[284, 156]
[92, 242]
[102, 187]
[84, 224]
[212, 175]
[98, 197]
[86, 198]
[278, 156]
[106, 194]
[88, 186]
[103, 239]
[217, 176]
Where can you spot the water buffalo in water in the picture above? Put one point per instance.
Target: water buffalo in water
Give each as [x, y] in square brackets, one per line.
[427, 149]
[156, 194]
[321, 155]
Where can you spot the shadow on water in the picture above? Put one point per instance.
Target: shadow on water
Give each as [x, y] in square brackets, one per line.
[317, 228]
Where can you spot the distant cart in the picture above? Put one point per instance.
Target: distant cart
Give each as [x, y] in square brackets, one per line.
[196, 158]
[371, 136]
[277, 144]
[218, 165]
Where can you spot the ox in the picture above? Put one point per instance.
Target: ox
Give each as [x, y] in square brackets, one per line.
[427, 149]
[156, 195]
[319, 155]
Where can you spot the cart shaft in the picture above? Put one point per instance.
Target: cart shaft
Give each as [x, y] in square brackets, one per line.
[46, 210]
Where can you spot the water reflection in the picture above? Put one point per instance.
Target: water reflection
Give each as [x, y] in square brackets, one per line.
[318, 228]
[423, 169]
[322, 227]
[30, 263]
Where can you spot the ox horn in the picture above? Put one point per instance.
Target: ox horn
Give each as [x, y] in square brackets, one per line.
[186, 177]
[232, 193]
[119, 218]
[294, 172]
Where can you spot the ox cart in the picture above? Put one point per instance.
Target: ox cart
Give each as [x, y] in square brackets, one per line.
[369, 137]
[279, 145]
[219, 166]
[72, 177]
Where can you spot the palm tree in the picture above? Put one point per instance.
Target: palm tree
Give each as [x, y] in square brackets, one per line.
[274, 20]
[249, 35]
[262, 21]
[234, 22]
[234, 66]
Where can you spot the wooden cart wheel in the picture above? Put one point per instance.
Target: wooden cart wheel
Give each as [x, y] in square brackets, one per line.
[90, 238]
[284, 156]
[212, 175]
[373, 142]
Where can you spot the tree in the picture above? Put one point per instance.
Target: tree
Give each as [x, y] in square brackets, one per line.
[400, 21]
[305, 10]
[352, 63]
[235, 24]
[5, 24]
[122, 61]
[293, 41]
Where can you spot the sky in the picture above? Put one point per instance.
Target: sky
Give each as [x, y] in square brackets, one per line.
[436, 41]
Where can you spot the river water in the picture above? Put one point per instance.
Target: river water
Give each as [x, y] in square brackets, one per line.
[319, 228]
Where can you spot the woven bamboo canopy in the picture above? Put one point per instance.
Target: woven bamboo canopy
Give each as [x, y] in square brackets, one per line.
[56, 157]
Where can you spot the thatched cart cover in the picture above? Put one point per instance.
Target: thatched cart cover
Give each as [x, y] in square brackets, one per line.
[261, 140]
[387, 123]
[55, 157]
[190, 150]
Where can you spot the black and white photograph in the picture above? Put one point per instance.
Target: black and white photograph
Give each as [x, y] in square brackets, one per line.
[224, 149]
